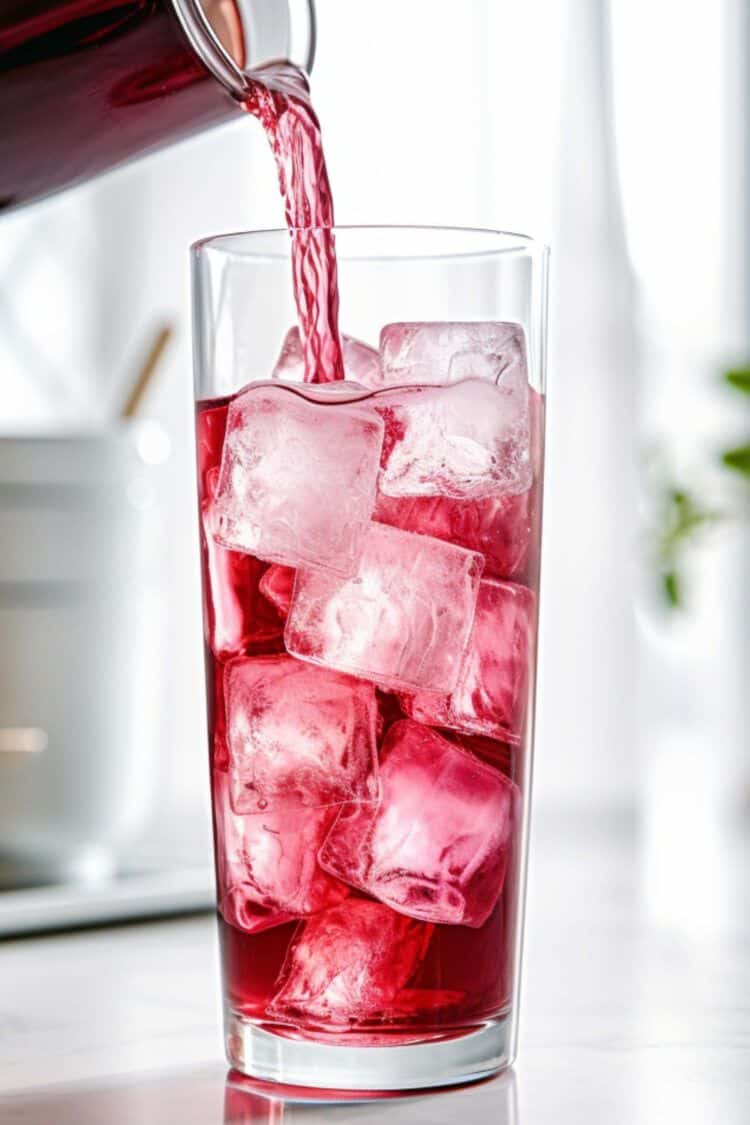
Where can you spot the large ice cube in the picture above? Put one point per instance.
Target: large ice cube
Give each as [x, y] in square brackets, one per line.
[297, 481]
[502, 527]
[403, 620]
[437, 845]
[267, 866]
[237, 619]
[347, 964]
[467, 440]
[445, 351]
[498, 526]
[297, 735]
[492, 690]
[361, 362]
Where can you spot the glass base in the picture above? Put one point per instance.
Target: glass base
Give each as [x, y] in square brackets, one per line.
[461, 1056]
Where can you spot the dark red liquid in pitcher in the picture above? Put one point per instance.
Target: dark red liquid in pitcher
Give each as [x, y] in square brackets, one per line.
[88, 84]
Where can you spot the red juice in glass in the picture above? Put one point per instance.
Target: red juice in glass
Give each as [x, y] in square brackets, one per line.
[370, 614]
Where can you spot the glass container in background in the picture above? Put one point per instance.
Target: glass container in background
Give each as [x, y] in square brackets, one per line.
[82, 652]
[88, 84]
[370, 554]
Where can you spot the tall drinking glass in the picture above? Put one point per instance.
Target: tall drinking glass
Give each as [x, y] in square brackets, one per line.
[370, 554]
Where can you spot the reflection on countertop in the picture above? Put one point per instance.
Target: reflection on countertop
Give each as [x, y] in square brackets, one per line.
[247, 1101]
[209, 1097]
[629, 1015]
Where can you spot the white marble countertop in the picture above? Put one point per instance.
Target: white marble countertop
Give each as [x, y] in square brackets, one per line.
[636, 1006]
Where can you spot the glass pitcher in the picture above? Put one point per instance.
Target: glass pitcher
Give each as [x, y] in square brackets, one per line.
[88, 84]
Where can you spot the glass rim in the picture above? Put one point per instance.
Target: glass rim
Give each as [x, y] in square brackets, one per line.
[238, 244]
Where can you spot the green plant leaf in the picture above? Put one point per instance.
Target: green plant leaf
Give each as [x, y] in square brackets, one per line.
[739, 378]
[738, 459]
[671, 586]
[683, 518]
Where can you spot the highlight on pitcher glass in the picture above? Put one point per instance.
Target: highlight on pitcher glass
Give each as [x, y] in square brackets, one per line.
[370, 553]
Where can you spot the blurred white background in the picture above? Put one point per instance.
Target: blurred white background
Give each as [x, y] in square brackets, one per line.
[621, 142]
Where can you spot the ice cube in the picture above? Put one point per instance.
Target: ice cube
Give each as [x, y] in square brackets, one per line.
[502, 527]
[237, 619]
[297, 735]
[297, 481]
[444, 351]
[346, 965]
[361, 362]
[276, 585]
[403, 620]
[498, 526]
[437, 844]
[267, 866]
[492, 691]
[467, 440]
[476, 365]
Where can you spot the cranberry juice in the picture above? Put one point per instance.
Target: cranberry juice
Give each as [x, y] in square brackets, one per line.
[280, 99]
[307, 880]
